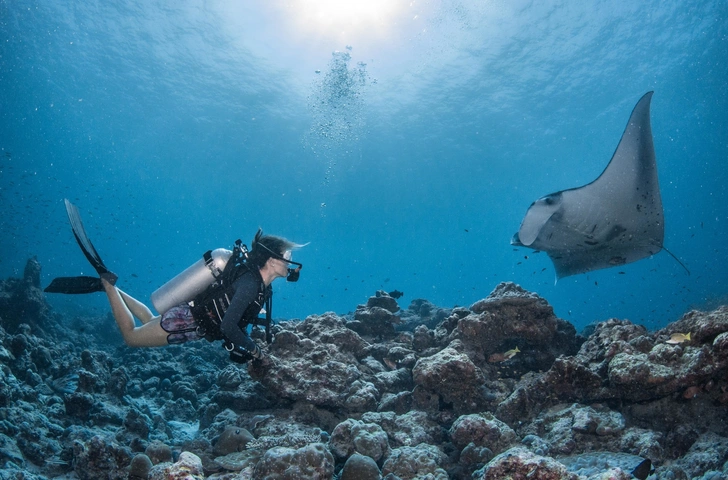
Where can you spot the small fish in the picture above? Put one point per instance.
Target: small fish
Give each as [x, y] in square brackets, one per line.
[396, 294]
[502, 357]
[511, 353]
[643, 470]
[496, 358]
[677, 338]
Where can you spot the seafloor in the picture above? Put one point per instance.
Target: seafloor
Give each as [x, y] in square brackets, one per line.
[421, 393]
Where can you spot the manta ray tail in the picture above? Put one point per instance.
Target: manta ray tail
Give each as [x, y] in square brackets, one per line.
[676, 259]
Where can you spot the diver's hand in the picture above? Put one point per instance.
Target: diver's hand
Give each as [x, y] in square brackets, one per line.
[240, 355]
[257, 353]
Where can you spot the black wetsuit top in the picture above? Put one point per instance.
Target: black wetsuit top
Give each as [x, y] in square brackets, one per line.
[225, 314]
[248, 300]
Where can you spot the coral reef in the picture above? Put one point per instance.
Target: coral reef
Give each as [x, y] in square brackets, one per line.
[501, 389]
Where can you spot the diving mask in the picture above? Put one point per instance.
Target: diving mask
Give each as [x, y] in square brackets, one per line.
[293, 273]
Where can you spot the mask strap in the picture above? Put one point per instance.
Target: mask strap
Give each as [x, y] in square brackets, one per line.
[279, 256]
[293, 273]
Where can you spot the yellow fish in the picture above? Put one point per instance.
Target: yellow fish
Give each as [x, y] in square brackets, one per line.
[676, 338]
[502, 357]
[511, 353]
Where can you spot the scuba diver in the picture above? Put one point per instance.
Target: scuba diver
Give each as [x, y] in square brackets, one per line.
[216, 298]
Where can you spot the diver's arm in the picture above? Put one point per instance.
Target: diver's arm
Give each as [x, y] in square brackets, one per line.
[245, 293]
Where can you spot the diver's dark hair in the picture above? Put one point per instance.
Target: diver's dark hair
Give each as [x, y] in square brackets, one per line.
[265, 246]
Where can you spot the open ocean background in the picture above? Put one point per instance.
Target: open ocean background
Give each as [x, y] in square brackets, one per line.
[404, 141]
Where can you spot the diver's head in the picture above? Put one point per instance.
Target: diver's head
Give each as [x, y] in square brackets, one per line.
[267, 247]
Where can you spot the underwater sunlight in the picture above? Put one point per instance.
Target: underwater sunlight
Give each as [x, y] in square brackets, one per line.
[342, 221]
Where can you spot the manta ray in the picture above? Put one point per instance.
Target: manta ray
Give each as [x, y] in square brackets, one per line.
[614, 220]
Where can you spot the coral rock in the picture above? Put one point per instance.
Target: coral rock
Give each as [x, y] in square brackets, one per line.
[424, 338]
[23, 302]
[454, 377]
[383, 300]
[519, 462]
[230, 377]
[360, 467]
[312, 462]
[318, 365]
[374, 321]
[709, 452]
[100, 458]
[574, 428]
[364, 397]
[639, 377]
[411, 428]
[140, 467]
[482, 430]
[603, 465]
[187, 467]
[158, 452]
[79, 404]
[507, 294]
[508, 313]
[238, 461]
[353, 436]
[9, 451]
[704, 327]
[395, 381]
[473, 456]
[137, 423]
[419, 462]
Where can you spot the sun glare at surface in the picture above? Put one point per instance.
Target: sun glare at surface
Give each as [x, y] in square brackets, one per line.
[299, 36]
[352, 17]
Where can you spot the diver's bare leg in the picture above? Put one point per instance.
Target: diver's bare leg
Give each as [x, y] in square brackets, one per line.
[138, 309]
[150, 334]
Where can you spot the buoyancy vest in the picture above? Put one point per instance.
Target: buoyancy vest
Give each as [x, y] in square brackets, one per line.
[209, 307]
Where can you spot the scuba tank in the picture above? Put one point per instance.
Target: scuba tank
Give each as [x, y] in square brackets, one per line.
[192, 281]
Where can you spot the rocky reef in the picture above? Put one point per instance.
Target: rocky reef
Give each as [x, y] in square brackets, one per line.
[502, 389]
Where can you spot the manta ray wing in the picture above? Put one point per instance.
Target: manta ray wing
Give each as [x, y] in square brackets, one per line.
[614, 220]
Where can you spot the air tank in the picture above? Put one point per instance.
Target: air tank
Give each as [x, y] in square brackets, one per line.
[192, 281]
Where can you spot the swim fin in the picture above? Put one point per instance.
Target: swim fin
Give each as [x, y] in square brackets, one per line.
[75, 285]
[83, 241]
[82, 284]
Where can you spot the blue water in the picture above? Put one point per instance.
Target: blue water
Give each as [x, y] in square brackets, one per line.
[404, 144]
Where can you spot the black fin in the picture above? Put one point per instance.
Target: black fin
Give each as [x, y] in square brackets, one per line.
[75, 285]
[83, 241]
